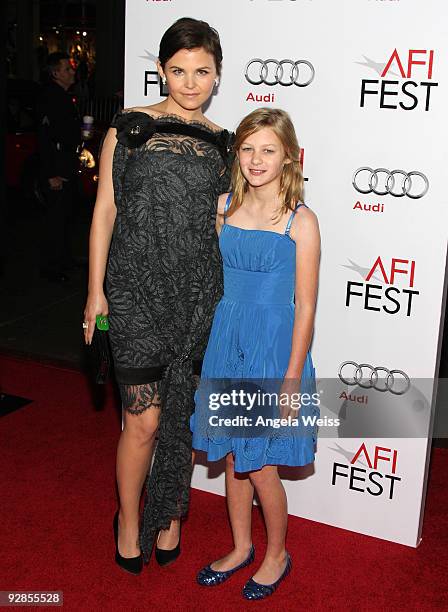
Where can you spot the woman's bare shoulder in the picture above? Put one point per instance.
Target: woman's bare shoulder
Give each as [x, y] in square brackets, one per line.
[213, 126]
[154, 110]
[148, 110]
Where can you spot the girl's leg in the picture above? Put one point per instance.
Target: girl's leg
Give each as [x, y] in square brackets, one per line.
[273, 501]
[141, 412]
[240, 493]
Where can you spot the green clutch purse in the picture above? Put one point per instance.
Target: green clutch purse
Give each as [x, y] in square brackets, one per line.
[100, 353]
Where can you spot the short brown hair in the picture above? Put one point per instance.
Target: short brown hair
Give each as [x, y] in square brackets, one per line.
[189, 33]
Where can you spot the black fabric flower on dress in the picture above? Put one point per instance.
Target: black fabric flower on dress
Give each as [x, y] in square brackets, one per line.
[224, 141]
[134, 128]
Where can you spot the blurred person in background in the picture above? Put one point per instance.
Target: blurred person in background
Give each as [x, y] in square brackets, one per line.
[59, 136]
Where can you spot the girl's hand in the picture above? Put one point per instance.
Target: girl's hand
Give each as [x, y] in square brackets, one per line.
[96, 305]
[289, 398]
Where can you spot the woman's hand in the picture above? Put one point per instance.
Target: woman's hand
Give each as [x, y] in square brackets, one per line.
[96, 305]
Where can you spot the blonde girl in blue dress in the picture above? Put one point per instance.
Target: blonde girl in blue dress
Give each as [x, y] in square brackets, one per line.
[262, 328]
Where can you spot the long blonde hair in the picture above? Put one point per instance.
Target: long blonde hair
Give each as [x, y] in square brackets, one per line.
[291, 181]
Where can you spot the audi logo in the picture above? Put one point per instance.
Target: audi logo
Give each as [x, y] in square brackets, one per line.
[397, 183]
[366, 376]
[285, 72]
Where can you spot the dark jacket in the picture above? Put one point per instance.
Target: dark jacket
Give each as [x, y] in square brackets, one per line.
[58, 131]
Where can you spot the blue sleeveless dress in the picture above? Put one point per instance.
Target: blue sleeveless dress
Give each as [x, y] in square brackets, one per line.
[251, 337]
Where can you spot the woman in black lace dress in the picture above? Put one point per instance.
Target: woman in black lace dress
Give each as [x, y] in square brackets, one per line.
[162, 169]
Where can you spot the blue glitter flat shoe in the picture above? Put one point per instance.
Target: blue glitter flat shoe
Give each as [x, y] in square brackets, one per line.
[210, 577]
[254, 590]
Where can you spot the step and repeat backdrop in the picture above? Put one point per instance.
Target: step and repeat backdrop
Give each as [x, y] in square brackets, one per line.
[365, 82]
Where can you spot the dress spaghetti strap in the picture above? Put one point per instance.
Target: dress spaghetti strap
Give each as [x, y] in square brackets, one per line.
[227, 205]
[288, 225]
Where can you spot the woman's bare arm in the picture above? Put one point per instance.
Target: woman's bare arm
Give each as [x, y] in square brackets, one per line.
[100, 236]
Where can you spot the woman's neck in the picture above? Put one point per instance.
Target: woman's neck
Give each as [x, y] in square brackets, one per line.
[171, 107]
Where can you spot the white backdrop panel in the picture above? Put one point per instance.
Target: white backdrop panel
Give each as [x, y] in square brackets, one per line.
[347, 41]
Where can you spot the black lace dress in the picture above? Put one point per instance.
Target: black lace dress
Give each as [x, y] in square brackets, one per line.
[163, 282]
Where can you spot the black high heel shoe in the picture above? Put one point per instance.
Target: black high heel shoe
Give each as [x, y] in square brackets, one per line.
[165, 557]
[133, 565]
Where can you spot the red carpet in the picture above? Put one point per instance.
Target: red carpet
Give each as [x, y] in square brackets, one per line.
[58, 500]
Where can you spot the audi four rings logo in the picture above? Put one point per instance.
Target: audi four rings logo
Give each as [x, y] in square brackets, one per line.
[397, 183]
[366, 376]
[285, 72]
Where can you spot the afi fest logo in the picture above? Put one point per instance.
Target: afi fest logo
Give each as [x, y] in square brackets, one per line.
[377, 477]
[394, 296]
[151, 77]
[406, 81]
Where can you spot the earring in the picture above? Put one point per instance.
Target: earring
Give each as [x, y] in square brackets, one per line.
[216, 82]
[164, 80]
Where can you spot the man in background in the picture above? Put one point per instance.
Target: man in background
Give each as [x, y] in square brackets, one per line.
[59, 136]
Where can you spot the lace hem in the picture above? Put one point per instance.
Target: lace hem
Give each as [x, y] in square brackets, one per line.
[168, 483]
[138, 398]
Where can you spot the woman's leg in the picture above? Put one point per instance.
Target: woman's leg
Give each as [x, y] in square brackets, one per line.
[240, 494]
[273, 501]
[141, 412]
[169, 538]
